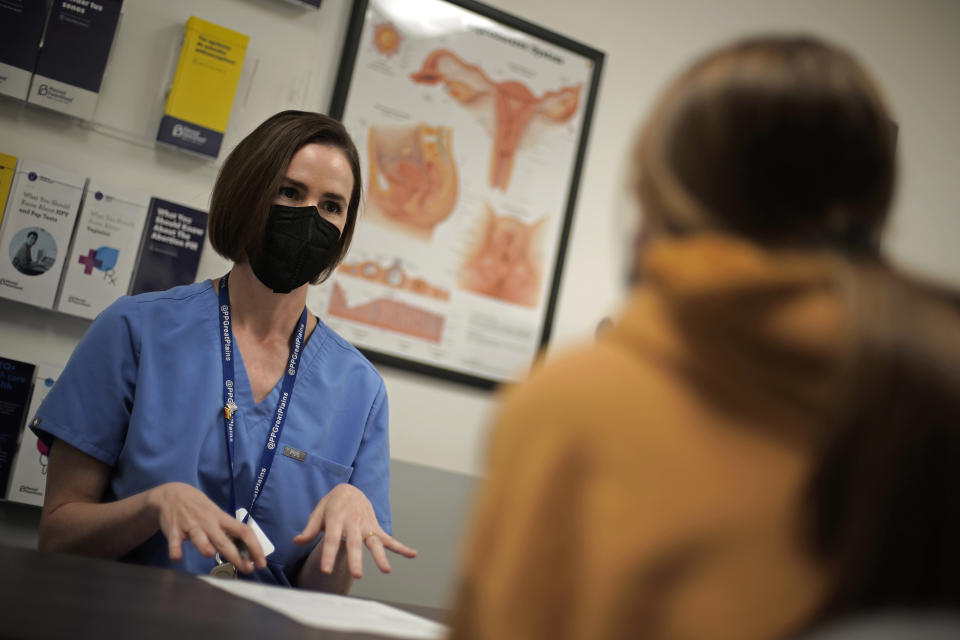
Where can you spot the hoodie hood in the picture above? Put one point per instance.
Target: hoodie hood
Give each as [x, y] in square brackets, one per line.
[744, 321]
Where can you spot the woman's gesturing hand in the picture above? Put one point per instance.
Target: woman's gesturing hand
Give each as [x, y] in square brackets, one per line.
[346, 513]
[185, 513]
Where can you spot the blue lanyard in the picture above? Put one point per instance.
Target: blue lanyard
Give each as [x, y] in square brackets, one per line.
[227, 343]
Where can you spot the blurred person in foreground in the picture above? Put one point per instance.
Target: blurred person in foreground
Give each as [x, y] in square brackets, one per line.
[767, 437]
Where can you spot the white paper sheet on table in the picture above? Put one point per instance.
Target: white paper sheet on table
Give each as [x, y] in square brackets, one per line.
[326, 611]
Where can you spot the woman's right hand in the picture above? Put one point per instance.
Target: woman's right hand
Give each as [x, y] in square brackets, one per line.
[185, 513]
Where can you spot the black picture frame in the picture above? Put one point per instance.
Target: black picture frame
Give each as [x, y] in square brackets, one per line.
[346, 80]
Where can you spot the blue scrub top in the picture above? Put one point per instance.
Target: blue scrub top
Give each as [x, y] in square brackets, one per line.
[143, 393]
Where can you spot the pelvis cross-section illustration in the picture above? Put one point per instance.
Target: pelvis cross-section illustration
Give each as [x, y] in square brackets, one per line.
[513, 103]
[413, 178]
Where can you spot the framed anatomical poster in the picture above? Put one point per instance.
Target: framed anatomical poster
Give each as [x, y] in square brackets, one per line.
[471, 126]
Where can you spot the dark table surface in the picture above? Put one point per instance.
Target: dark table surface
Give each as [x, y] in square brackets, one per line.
[59, 595]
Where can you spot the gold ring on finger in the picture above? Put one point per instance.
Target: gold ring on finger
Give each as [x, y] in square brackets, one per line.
[368, 535]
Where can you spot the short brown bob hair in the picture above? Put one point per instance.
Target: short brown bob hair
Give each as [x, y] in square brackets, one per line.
[785, 140]
[251, 176]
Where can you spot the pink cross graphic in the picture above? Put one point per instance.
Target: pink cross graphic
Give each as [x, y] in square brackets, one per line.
[90, 261]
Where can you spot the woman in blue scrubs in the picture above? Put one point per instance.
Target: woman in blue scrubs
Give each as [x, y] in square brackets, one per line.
[192, 423]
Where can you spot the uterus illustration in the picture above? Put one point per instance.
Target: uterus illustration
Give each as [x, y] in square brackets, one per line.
[504, 261]
[513, 104]
[413, 183]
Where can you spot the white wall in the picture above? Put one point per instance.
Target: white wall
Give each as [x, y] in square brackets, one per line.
[910, 46]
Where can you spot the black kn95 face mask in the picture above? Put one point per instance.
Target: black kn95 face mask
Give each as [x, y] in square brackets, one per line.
[297, 246]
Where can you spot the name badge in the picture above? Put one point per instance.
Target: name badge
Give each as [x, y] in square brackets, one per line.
[262, 538]
[296, 454]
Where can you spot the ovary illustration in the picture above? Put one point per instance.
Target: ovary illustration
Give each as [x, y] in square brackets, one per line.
[413, 178]
[513, 104]
[386, 39]
[504, 261]
[393, 276]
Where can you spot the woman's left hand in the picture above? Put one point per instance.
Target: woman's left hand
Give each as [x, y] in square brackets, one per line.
[346, 513]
